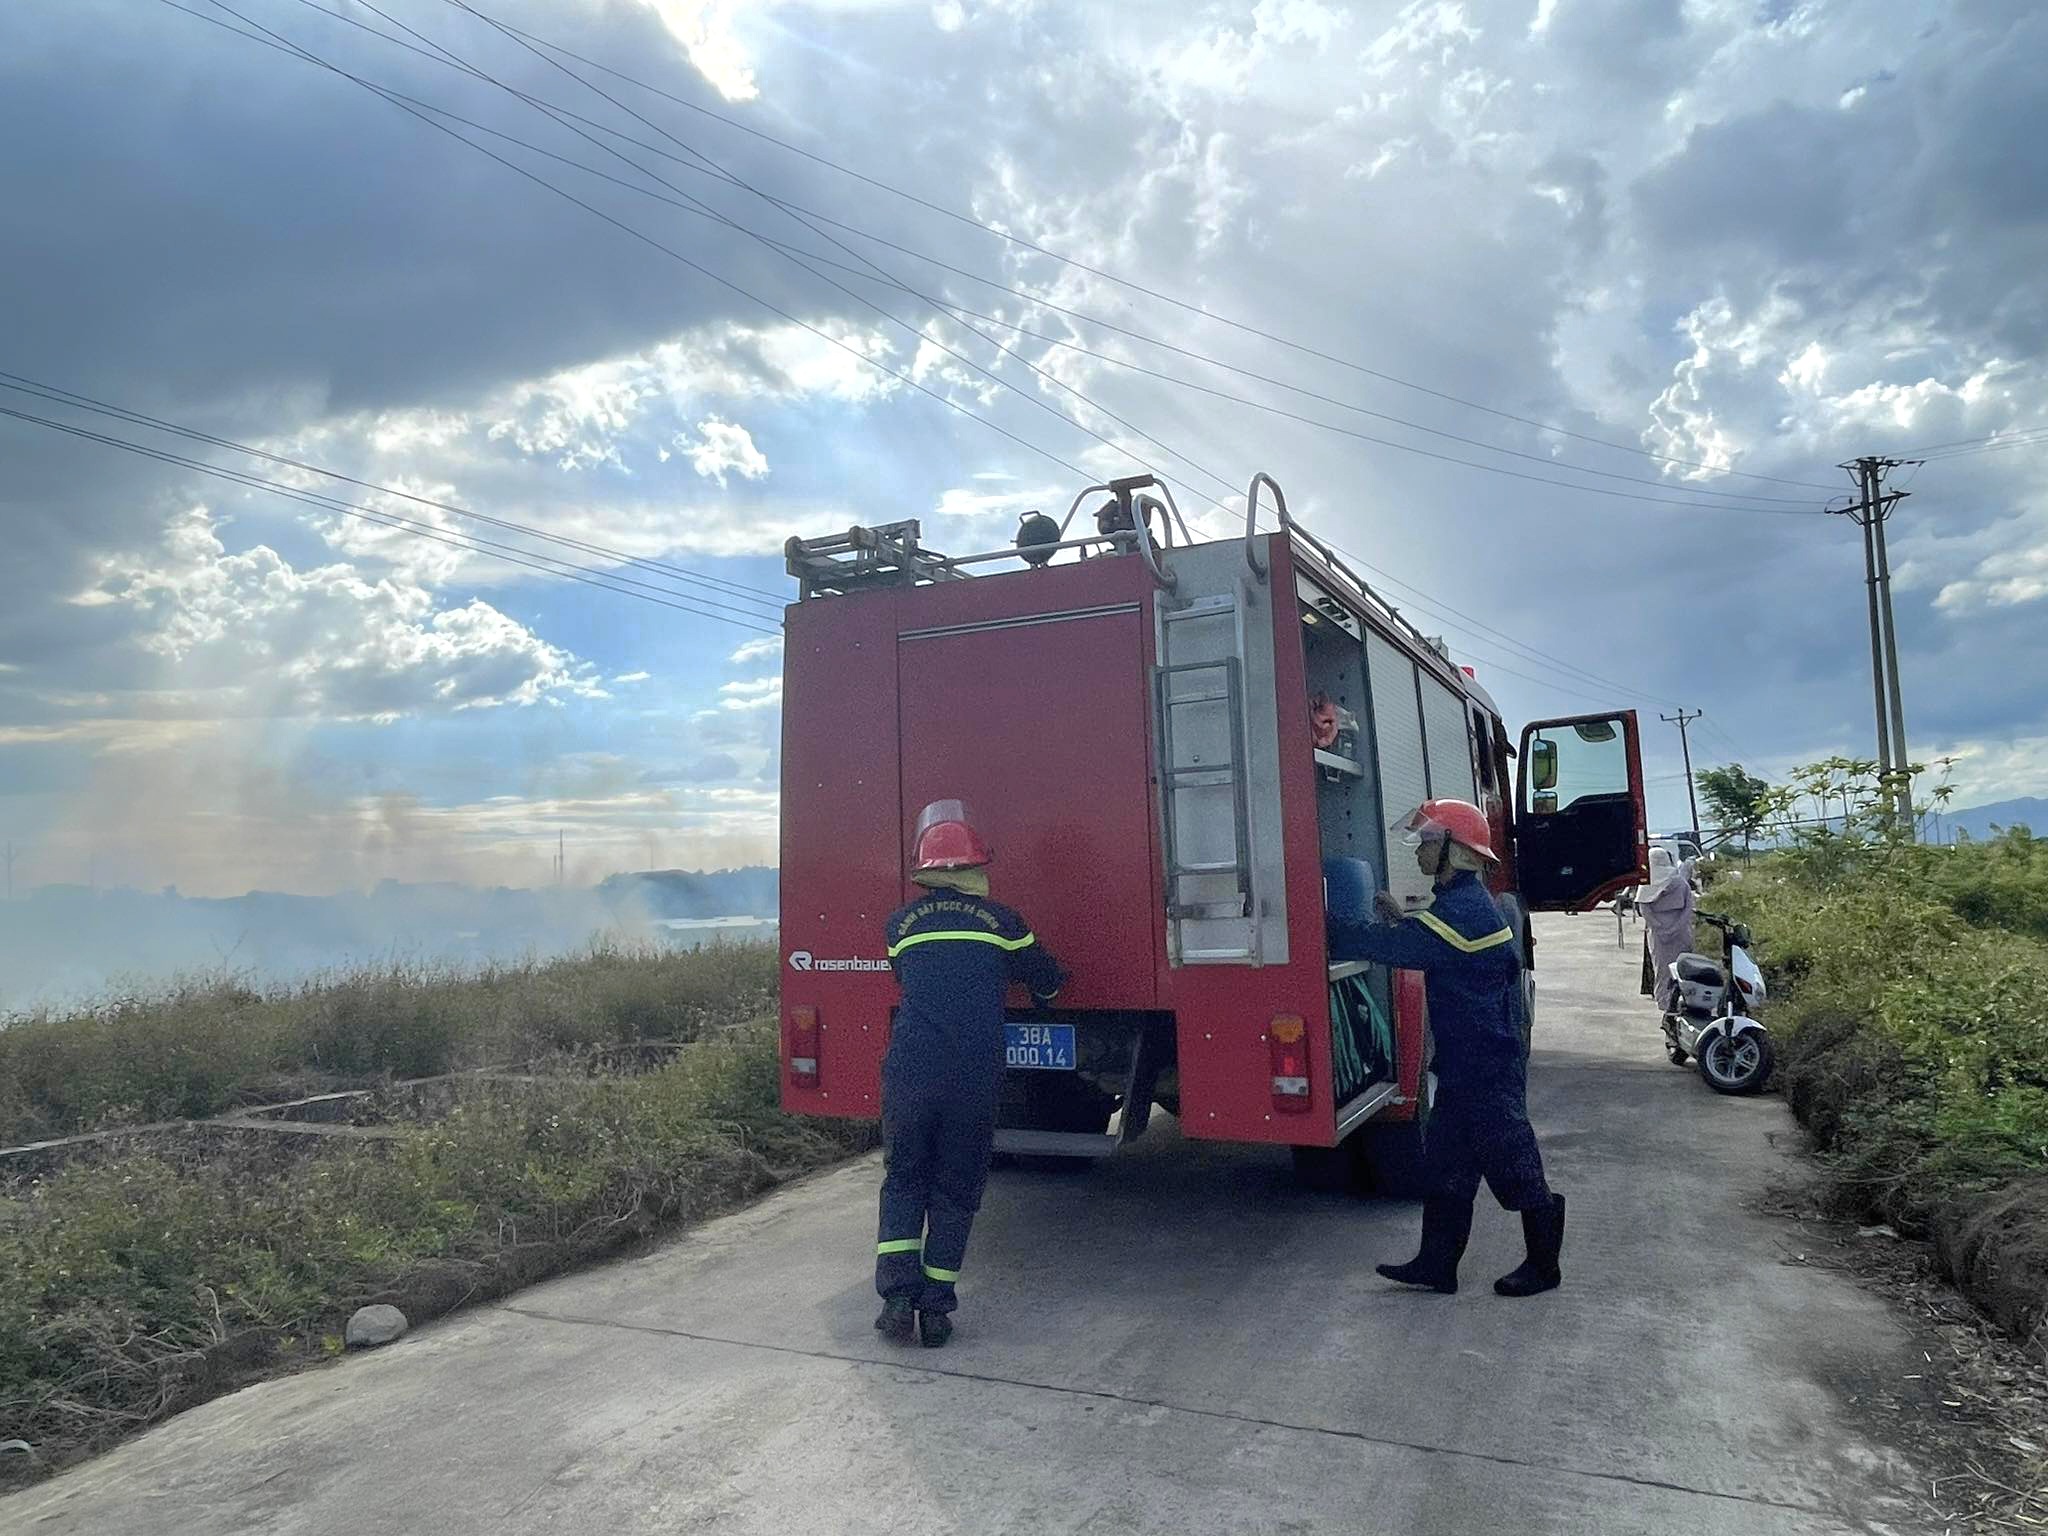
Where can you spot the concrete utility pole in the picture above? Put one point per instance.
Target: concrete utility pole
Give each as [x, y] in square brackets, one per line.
[1900, 761]
[1682, 720]
[1870, 513]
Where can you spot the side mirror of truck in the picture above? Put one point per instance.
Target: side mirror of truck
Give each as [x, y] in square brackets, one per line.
[1543, 764]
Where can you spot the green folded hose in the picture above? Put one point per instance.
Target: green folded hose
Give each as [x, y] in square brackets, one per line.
[1361, 1037]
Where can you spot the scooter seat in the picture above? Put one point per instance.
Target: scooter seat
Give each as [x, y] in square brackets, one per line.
[1700, 968]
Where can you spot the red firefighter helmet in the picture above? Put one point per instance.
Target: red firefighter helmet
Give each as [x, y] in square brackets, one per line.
[1459, 820]
[945, 838]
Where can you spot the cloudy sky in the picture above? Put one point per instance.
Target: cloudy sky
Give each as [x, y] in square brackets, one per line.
[1658, 265]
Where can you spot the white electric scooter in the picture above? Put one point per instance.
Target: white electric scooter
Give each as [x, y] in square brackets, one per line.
[1714, 1023]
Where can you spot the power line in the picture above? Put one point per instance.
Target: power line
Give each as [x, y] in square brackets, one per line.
[1999, 438]
[805, 257]
[21, 384]
[667, 250]
[694, 206]
[454, 60]
[309, 57]
[1531, 653]
[546, 564]
[2002, 446]
[788, 253]
[305, 54]
[1182, 304]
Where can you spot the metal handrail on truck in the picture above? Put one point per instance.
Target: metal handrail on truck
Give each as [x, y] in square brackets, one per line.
[1365, 591]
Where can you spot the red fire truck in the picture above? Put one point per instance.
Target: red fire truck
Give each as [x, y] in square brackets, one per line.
[1164, 739]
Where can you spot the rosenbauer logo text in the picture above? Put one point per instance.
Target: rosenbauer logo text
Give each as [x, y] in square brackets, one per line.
[804, 960]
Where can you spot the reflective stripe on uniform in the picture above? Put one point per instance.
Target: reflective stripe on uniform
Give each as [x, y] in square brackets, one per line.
[965, 936]
[900, 1245]
[1457, 940]
[947, 1275]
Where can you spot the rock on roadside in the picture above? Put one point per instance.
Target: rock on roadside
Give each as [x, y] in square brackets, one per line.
[372, 1326]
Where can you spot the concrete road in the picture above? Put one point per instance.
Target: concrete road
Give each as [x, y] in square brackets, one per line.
[1176, 1342]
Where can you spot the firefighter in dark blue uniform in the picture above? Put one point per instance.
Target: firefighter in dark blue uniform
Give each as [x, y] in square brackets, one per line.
[1479, 1127]
[955, 953]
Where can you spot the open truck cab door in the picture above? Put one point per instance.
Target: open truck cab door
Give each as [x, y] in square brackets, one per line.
[1581, 834]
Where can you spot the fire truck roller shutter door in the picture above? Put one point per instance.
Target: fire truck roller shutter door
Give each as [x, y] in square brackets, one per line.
[1404, 773]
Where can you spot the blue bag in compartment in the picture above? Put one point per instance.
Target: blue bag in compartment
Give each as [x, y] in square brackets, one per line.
[1349, 886]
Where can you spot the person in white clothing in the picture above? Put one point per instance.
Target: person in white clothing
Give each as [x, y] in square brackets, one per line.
[1667, 904]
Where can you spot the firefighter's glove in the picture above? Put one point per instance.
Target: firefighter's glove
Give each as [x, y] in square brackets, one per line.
[1389, 909]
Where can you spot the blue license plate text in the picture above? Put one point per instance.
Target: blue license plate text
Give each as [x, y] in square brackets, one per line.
[1042, 1047]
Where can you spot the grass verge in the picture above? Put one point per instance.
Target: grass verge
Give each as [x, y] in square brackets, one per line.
[1911, 1010]
[200, 1047]
[143, 1276]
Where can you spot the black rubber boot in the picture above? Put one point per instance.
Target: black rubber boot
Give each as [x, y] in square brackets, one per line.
[1446, 1225]
[897, 1320]
[1543, 1231]
[934, 1328]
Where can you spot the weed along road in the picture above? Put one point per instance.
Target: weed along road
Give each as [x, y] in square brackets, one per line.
[1177, 1341]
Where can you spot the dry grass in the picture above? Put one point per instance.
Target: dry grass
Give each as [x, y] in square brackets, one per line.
[200, 1047]
[149, 1273]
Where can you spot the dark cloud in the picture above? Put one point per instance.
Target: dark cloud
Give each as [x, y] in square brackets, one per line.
[1744, 232]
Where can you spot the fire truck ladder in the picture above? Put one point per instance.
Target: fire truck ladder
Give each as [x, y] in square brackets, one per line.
[1199, 710]
[885, 556]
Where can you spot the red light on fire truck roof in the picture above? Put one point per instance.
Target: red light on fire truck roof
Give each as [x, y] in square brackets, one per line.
[1469, 673]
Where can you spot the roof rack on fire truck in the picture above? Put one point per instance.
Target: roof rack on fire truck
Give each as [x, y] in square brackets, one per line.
[890, 555]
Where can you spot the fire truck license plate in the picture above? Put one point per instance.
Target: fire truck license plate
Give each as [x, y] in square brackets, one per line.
[1045, 1046]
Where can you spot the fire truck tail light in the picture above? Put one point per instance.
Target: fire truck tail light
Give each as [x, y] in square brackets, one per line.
[1287, 1040]
[801, 1042]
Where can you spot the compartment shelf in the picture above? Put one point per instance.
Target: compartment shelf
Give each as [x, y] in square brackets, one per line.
[1336, 764]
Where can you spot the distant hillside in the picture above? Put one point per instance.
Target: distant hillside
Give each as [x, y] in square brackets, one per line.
[1982, 821]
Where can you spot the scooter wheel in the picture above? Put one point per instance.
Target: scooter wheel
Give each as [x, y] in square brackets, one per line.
[1736, 1064]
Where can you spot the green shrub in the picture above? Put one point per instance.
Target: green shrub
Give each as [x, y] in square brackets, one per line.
[1912, 1010]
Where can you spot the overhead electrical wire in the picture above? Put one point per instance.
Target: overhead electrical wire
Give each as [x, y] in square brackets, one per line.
[697, 205]
[2002, 438]
[21, 384]
[308, 57]
[2002, 445]
[1421, 599]
[651, 242]
[806, 258]
[448, 59]
[311, 58]
[1185, 305]
[546, 564]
